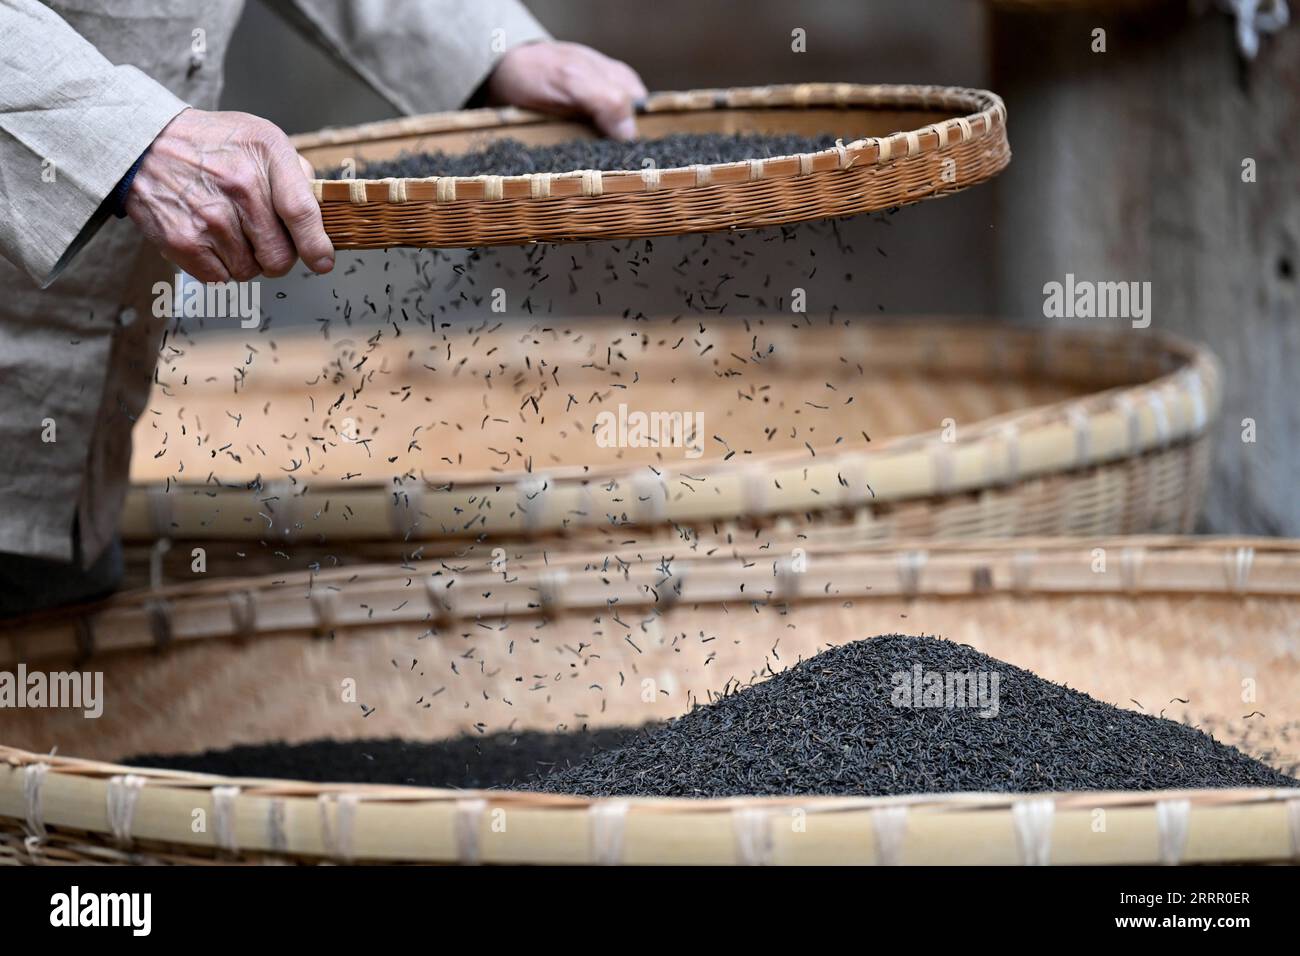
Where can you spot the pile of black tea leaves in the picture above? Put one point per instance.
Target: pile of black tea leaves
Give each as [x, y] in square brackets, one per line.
[510, 157]
[899, 715]
[477, 761]
[884, 716]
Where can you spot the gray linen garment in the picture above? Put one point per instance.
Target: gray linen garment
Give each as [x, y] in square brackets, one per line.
[85, 87]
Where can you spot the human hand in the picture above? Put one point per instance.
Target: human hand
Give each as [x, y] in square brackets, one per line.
[568, 79]
[225, 196]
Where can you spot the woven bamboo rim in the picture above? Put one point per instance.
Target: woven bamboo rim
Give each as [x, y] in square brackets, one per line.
[1148, 426]
[874, 173]
[63, 809]
[546, 584]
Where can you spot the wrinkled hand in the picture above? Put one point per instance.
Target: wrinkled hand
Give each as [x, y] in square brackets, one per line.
[569, 79]
[224, 195]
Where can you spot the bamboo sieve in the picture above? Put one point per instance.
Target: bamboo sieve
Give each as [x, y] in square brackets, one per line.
[902, 144]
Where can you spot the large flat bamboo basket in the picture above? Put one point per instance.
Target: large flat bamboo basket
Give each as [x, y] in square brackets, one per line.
[902, 144]
[297, 446]
[1137, 621]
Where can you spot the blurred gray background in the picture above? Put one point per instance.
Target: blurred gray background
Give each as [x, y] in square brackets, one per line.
[1127, 167]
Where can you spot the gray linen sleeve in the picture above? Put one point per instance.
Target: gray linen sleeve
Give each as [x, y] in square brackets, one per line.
[423, 56]
[71, 125]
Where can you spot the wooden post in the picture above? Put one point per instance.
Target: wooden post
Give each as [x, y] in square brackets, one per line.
[1135, 164]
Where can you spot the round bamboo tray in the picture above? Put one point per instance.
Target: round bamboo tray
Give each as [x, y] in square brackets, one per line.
[902, 144]
[293, 449]
[193, 667]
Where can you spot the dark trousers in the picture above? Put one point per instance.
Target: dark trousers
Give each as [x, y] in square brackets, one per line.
[35, 584]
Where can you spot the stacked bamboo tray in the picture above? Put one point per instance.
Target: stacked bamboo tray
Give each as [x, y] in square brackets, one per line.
[379, 447]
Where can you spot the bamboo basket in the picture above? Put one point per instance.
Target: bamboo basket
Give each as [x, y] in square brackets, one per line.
[1157, 619]
[285, 451]
[902, 144]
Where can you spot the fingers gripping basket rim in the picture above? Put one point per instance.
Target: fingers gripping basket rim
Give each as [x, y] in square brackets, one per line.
[63, 809]
[874, 173]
